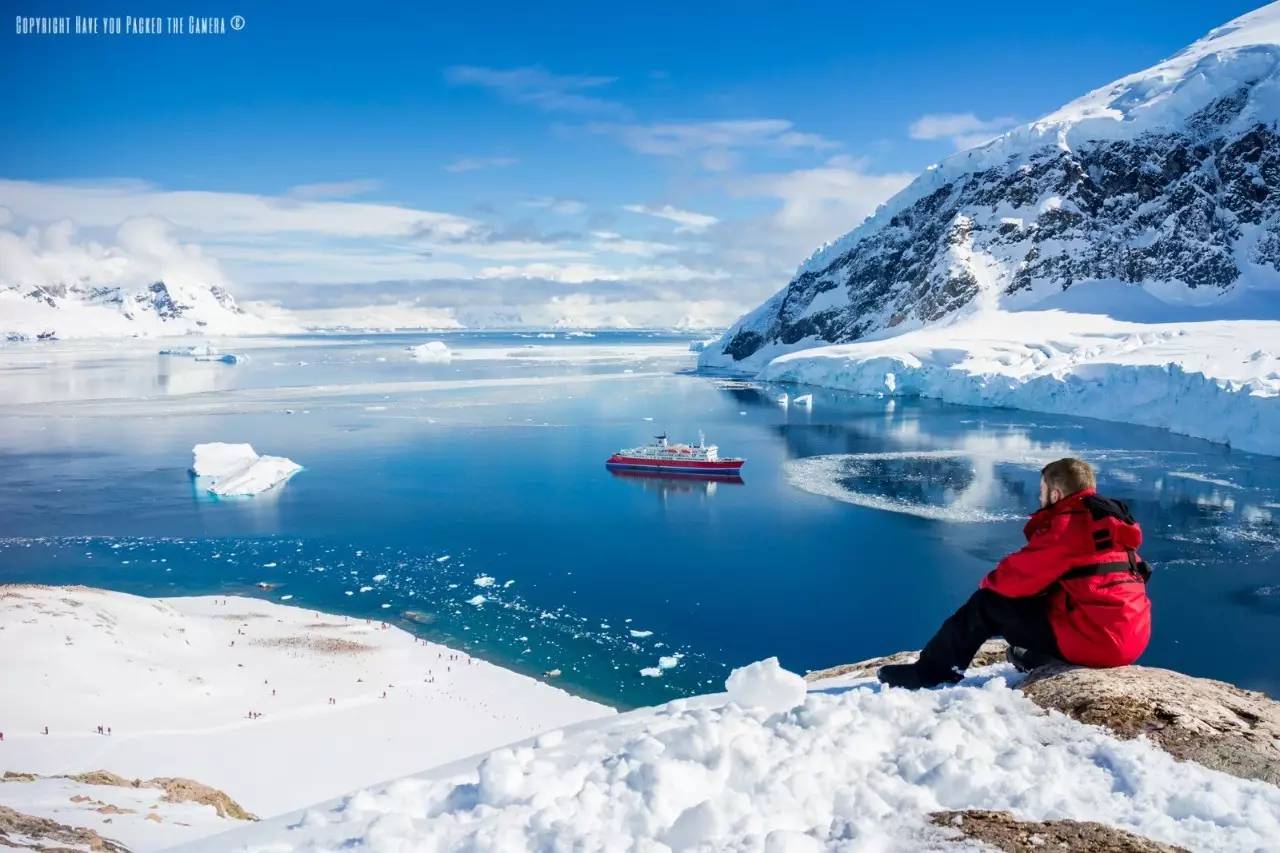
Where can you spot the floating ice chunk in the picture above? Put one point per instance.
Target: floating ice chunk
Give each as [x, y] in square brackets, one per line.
[477, 601]
[483, 580]
[435, 352]
[227, 358]
[766, 685]
[366, 589]
[640, 635]
[700, 346]
[285, 597]
[218, 458]
[192, 351]
[238, 471]
[375, 578]
[651, 672]
[256, 477]
[669, 661]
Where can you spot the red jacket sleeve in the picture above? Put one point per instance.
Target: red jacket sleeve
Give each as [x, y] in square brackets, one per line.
[1030, 570]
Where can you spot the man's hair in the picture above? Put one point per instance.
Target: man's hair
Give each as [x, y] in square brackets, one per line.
[1068, 475]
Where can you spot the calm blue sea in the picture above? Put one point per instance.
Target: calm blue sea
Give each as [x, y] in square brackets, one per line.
[858, 525]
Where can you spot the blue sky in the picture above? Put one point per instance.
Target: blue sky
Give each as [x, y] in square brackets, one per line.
[603, 161]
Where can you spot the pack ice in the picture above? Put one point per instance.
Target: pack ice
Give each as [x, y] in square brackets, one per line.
[236, 470]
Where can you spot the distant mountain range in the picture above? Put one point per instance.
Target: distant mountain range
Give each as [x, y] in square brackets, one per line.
[88, 311]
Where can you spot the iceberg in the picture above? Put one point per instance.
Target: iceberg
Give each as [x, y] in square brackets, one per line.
[432, 352]
[236, 470]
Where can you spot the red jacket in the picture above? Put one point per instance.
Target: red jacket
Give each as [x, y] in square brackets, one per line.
[1082, 551]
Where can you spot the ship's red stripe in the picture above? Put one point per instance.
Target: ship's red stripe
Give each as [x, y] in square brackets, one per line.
[675, 463]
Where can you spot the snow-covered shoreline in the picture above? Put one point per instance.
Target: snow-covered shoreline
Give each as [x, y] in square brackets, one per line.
[1216, 379]
[343, 702]
[849, 766]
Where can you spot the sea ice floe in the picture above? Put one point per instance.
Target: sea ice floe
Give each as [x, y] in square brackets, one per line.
[236, 470]
[483, 580]
[436, 352]
[640, 635]
[477, 600]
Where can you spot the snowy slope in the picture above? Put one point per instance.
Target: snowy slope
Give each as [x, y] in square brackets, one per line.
[175, 679]
[854, 767]
[1159, 193]
[92, 311]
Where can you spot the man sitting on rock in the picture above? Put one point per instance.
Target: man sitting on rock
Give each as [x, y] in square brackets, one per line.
[1076, 592]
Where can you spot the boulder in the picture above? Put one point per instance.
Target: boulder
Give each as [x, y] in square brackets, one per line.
[1003, 831]
[1193, 719]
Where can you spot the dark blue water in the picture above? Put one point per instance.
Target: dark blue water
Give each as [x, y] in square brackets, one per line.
[858, 526]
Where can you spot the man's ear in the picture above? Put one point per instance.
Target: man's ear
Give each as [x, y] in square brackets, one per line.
[1055, 495]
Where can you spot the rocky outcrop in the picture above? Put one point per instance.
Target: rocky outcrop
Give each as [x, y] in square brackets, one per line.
[176, 789]
[992, 651]
[1003, 831]
[179, 790]
[1209, 722]
[27, 832]
[1194, 719]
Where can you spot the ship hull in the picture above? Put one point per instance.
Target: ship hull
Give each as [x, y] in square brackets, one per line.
[676, 466]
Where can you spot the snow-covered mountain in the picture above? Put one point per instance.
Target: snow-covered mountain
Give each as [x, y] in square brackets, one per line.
[83, 310]
[1167, 181]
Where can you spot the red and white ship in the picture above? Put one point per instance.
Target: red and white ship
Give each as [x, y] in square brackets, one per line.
[700, 458]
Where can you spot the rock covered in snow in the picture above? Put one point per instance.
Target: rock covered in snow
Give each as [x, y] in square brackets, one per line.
[236, 470]
[766, 685]
[1168, 180]
[432, 352]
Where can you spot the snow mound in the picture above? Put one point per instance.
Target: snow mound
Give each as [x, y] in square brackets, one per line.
[766, 685]
[238, 471]
[432, 352]
[856, 767]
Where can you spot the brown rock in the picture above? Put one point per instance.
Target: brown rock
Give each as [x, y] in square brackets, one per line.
[177, 790]
[991, 652]
[1003, 831]
[20, 830]
[1193, 719]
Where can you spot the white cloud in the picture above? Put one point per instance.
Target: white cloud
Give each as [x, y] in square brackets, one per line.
[580, 273]
[822, 203]
[143, 251]
[566, 206]
[688, 220]
[472, 164]
[714, 144]
[537, 87]
[612, 242]
[107, 205]
[335, 189]
[965, 130]
[393, 316]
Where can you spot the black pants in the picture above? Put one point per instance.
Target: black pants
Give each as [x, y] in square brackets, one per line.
[1022, 621]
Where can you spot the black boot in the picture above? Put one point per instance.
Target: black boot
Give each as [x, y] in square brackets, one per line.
[1025, 660]
[912, 676]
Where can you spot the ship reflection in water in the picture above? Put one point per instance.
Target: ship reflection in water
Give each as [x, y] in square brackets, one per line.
[666, 483]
